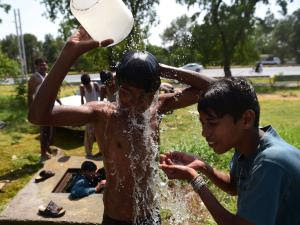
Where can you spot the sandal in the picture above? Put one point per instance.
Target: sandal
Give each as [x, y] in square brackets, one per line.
[43, 175]
[52, 210]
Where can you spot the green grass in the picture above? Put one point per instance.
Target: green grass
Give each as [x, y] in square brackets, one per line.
[19, 140]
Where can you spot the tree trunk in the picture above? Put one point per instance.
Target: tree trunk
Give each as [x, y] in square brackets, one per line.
[227, 70]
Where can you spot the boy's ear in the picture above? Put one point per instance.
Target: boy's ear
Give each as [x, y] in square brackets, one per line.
[248, 118]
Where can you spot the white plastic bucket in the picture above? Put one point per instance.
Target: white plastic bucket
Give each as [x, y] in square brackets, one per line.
[103, 19]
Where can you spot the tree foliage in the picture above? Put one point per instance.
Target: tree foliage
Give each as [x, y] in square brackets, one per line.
[33, 50]
[8, 67]
[279, 37]
[5, 7]
[142, 11]
[231, 22]
[9, 45]
[51, 48]
[179, 38]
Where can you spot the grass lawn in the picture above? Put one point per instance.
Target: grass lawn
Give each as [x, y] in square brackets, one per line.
[19, 140]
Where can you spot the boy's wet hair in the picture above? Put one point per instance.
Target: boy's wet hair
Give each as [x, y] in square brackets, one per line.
[38, 61]
[85, 79]
[139, 69]
[88, 166]
[232, 96]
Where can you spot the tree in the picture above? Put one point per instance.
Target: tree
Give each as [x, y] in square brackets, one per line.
[8, 68]
[263, 34]
[162, 54]
[5, 7]
[33, 50]
[9, 45]
[142, 10]
[51, 48]
[179, 36]
[143, 13]
[232, 21]
[280, 37]
[295, 37]
[204, 42]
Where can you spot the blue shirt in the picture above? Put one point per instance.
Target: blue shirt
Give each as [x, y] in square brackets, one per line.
[268, 182]
[81, 187]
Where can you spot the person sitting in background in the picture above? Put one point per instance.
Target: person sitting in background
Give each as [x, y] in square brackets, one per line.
[258, 67]
[109, 89]
[90, 91]
[88, 181]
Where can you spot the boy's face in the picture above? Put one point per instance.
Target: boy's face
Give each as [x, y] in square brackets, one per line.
[134, 99]
[42, 67]
[89, 174]
[221, 134]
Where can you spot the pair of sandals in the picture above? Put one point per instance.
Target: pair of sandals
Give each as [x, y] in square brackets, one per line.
[52, 210]
[44, 175]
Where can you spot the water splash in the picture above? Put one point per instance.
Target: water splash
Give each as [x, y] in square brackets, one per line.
[144, 167]
[151, 192]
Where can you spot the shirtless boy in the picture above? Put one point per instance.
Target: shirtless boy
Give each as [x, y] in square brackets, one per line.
[126, 136]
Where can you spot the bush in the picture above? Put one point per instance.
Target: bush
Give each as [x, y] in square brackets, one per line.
[8, 67]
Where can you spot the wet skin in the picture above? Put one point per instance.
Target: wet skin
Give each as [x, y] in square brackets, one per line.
[115, 134]
[120, 141]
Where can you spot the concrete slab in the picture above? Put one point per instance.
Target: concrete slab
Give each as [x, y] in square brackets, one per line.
[23, 209]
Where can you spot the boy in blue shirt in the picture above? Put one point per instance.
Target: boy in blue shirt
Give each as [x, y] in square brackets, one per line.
[264, 171]
[86, 182]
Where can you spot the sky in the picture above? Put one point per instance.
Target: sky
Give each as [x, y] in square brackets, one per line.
[35, 23]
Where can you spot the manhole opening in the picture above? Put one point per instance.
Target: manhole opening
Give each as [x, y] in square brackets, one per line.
[64, 185]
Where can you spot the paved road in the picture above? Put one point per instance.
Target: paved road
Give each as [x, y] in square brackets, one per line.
[245, 71]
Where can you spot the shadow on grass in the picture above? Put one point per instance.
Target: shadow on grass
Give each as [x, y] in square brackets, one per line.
[68, 139]
[27, 169]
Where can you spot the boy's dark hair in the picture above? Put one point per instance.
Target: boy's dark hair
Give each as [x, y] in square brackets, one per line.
[113, 66]
[232, 96]
[85, 79]
[139, 69]
[106, 76]
[88, 166]
[38, 61]
[103, 76]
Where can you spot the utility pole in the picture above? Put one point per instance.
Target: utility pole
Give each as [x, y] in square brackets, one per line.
[21, 45]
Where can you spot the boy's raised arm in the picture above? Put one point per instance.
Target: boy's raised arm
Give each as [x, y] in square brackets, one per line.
[42, 109]
[188, 77]
[188, 96]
